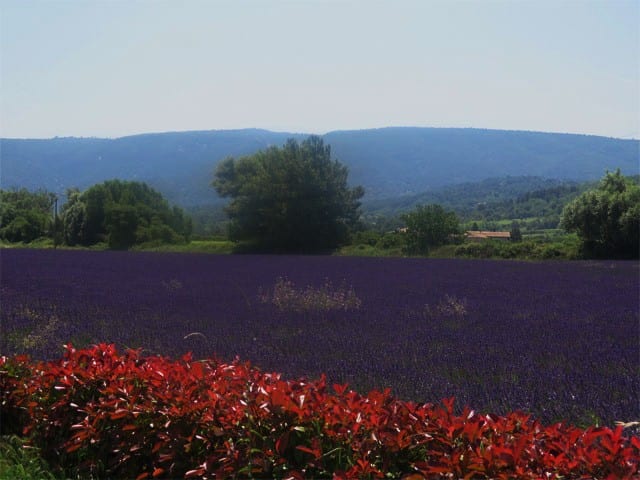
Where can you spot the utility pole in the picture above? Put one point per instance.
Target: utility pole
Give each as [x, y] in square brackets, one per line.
[55, 221]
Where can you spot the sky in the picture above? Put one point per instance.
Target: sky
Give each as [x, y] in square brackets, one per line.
[97, 68]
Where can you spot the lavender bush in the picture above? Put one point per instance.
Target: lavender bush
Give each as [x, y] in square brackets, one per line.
[557, 339]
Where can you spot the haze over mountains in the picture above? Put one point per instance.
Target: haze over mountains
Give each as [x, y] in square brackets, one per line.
[387, 162]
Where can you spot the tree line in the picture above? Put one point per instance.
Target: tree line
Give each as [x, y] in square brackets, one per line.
[26, 216]
[295, 198]
[118, 213]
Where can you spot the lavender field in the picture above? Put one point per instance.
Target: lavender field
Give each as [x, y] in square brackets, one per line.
[557, 339]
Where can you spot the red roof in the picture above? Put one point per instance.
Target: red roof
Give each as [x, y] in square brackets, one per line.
[486, 234]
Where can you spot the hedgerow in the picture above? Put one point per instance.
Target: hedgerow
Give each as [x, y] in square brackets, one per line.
[96, 413]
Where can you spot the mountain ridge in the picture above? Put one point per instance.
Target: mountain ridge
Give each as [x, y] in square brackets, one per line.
[350, 130]
[388, 162]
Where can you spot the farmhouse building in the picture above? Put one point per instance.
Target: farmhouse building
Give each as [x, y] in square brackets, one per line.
[480, 235]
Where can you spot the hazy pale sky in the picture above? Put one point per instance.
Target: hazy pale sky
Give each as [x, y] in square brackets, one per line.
[115, 68]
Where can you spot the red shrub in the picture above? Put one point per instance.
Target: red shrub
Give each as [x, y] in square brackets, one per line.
[96, 412]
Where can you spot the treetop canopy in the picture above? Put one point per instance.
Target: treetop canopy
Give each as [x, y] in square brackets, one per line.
[289, 198]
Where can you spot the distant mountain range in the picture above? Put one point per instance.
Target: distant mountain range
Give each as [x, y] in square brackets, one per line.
[387, 162]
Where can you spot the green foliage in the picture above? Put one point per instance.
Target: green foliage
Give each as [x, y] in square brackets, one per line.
[23, 228]
[194, 246]
[74, 214]
[122, 222]
[429, 226]
[366, 237]
[122, 214]
[20, 461]
[566, 248]
[392, 240]
[607, 218]
[516, 234]
[208, 220]
[25, 216]
[371, 243]
[293, 198]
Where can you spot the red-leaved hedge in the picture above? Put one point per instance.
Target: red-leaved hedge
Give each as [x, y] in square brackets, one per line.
[97, 413]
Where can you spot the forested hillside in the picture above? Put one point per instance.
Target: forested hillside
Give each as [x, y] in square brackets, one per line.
[489, 200]
[388, 162]
[180, 165]
[467, 197]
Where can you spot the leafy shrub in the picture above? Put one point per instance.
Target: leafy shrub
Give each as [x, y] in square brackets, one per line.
[22, 229]
[25, 216]
[607, 218]
[367, 237]
[285, 296]
[19, 461]
[392, 240]
[429, 226]
[476, 250]
[528, 249]
[157, 234]
[96, 413]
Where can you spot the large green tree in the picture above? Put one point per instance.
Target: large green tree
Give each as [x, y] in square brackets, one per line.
[290, 198]
[122, 214]
[607, 218]
[429, 226]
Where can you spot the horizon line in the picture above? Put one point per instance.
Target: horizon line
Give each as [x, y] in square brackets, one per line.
[388, 127]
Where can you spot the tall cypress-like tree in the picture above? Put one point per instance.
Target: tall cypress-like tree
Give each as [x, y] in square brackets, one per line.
[290, 198]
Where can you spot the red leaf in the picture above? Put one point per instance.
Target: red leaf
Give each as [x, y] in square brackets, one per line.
[120, 413]
[157, 472]
[294, 475]
[282, 442]
[167, 457]
[73, 448]
[316, 453]
[197, 370]
[195, 473]
[279, 399]
[340, 389]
